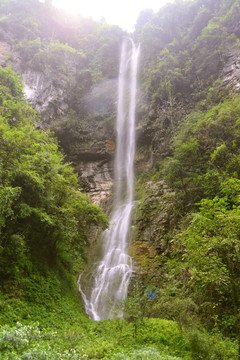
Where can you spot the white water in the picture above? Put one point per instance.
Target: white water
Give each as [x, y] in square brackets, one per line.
[111, 275]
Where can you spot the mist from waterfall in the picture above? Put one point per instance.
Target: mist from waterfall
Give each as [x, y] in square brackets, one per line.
[111, 275]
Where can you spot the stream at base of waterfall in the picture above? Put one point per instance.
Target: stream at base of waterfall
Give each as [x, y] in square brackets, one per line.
[104, 285]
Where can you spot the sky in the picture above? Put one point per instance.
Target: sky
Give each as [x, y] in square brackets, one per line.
[123, 13]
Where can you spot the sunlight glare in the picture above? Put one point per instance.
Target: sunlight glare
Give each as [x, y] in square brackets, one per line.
[123, 13]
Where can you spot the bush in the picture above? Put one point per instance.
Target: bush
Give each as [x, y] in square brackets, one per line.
[144, 353]
[30, 343]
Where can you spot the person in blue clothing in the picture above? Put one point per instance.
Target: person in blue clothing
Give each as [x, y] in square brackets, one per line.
[151, 292]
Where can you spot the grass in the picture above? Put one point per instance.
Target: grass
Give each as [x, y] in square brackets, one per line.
[62, 331]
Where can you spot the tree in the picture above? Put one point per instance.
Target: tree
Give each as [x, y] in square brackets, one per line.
[207, 258]
[44, 218]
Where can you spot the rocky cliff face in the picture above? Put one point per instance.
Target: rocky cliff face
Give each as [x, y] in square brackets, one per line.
[55, 94]
[5, 51]
[94, 150]
[153, 222]
[231, 71]
[55, 97]
[41, 92]
[98, 177]
[93, 153]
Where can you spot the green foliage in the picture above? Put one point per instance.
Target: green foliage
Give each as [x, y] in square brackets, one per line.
[10, 86]
[47, 38]
[28, 49]
[205, 152]
[29, 342]
[204, 346]
[7, 196]
[144, 354]
[107, 44]
[172, 304]
[63, 329]
[44, 218]
[71, 131]
[193, 122]
[210, 255]
[184, 48]
[15, 19]
[199, 278]
[54, 55]
[74, 54]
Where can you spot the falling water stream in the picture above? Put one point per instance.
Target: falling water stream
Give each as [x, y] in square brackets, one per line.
[111, 274]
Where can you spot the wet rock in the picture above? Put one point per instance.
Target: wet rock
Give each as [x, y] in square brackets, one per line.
[144, 255]
[5, 52]
[41, 92]
[142, 249]
[154, 215]
[231, 72]
[97, 178]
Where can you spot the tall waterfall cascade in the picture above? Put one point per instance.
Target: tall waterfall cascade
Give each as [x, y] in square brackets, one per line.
[104, 287]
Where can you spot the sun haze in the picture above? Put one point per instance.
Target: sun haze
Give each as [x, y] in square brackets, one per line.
[123, 13]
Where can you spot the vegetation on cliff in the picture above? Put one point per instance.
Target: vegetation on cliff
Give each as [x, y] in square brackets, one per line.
[193, 106]
[44, 217]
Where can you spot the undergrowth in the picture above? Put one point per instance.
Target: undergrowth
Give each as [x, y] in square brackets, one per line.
[31, 331]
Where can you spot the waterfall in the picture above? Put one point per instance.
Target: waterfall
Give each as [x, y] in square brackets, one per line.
[111, 275]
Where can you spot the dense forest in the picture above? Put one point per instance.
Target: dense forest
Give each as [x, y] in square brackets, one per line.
[58, 88]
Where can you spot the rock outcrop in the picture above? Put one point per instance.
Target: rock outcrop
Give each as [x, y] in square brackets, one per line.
[5, 51]
[97, 177]
[154, 220]
[92, 155]
[231, 71]
[50, 100]
[54, 96]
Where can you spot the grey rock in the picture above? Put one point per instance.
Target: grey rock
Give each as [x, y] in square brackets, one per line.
[40, 91]
[98, 175]
[231, 71]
